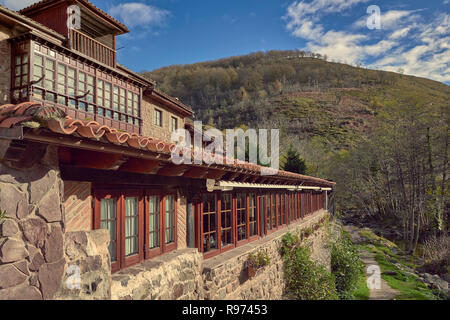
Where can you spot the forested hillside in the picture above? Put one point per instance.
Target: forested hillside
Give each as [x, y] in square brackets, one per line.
[298, 91]
[382, 136]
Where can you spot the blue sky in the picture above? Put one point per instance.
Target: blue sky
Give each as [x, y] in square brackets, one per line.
[414, 36]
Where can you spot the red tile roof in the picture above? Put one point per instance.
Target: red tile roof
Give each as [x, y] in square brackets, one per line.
[87, 3]
[32, 114]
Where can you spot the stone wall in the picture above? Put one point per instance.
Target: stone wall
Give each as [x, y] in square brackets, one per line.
[175, 275]
[151, 130]
[87, 273]
[31, 243]
[226, 276]
[37, 254]
[183, 274]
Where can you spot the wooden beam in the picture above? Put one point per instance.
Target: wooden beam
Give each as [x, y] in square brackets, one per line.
[121, 177]
[94, 159]
[173, 170]
[215, 174]
[196, 173]
[139, 165]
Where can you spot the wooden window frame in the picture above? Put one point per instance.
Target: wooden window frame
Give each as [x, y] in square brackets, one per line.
[129, 117]
[257, 215]
[155, 112]
[163, 246]
[172, 121]
[122, 261]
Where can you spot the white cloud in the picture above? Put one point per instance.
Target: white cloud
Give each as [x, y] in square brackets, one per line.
[18, 4]
[405, 41]
[429, 56]
[136, 14]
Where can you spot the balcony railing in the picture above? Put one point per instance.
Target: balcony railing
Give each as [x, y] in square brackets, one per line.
[92, 48]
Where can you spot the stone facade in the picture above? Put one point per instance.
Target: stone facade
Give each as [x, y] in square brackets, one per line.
[183, 274]
[176, 275]
[226, 276]
[149, 129]
[87, 273]
[36, 251]
[78, 205]
[31, 243]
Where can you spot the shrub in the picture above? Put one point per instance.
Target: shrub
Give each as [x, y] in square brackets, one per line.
[305, 280]
[346, 266]
[259, 259]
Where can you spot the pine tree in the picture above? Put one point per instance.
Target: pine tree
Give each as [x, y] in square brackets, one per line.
[293, 162]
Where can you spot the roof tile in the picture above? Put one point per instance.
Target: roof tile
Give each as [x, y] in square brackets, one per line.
[57, 122]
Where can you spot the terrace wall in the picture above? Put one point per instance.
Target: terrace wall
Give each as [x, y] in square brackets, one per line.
[183, 274]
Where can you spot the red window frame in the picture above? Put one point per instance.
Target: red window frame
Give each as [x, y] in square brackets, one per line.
[163, 246]
[121, 260]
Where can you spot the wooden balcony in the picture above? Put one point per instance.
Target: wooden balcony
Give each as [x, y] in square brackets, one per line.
[92, 48]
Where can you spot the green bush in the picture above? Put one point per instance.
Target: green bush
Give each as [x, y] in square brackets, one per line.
[346, 266]
[305, 280]
[259, 259]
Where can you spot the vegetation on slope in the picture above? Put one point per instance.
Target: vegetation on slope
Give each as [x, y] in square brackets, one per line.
[383, 137]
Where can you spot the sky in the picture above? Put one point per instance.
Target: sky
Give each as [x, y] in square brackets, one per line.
[409, 36]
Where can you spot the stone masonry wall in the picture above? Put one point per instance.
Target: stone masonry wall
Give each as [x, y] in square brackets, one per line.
[226, 276]
[31, 241]
[183, 274]
[175, 275]
[149, 129]
[36, 251]
[87, 273]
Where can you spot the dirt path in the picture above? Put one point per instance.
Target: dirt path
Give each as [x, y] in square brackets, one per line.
[384, 292]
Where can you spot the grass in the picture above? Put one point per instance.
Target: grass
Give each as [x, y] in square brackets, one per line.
[362, 291]
[409, 285]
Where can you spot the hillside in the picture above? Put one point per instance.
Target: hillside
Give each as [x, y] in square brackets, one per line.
[299, 92]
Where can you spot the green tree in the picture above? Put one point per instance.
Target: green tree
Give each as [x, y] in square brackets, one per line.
[293, 162]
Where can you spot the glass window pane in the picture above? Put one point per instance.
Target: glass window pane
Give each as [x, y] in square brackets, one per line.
[131, 226]
[108, 221]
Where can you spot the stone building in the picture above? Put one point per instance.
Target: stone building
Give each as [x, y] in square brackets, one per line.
[91, 205]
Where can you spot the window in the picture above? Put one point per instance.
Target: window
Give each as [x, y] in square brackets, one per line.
[77, 87]
[174, 123]
[170, 219]
[21, 70]
[158, 118]
[241, 216]
[226, 211]
[154, 222]
[209, 217]
[160, 223]
[108, 220]
[273, 210]
[252, 221]
[135, 220]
